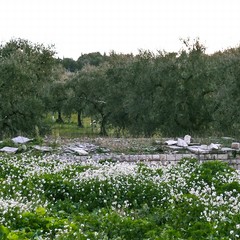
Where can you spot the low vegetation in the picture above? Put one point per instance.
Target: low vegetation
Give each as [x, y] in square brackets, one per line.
[50, 197]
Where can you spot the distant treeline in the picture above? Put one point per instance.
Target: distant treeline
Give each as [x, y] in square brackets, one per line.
[167, 93]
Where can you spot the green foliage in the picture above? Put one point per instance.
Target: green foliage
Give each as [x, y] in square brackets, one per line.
[7, 142]
[117, 200]
[170, 93]
[210, 171]
[3, 232]
[143, 95]
[69, 64]
[26, 68]
[71, 130]
[94, 59]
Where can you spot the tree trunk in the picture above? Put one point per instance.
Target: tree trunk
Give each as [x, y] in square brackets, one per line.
[59, 119]
[80, 124]
[103, 131]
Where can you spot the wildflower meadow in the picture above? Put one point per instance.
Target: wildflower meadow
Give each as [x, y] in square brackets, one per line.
[51, 197]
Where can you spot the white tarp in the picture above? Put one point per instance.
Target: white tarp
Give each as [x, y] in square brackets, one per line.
[181, 143]
[198, 149]
[21, 139]
[9, 149]
[171, 142]
[77, 150]
[187, 139]
[204, 148]
[214, 146]
[43, 148]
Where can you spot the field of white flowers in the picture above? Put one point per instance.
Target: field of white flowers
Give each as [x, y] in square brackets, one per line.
[49, 197]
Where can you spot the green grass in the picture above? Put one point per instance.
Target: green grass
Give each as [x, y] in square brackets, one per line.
[69, 129]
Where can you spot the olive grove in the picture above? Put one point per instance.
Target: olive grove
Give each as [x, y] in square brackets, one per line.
[165, 93]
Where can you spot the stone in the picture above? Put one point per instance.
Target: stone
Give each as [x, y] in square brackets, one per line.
[226, 149]
[235, 145]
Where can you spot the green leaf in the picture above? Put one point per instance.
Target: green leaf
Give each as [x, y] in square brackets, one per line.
[40, 211]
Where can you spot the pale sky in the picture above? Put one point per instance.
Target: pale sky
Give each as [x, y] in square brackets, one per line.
[76, 27]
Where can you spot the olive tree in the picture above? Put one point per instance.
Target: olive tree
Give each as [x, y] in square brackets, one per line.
[24, 69]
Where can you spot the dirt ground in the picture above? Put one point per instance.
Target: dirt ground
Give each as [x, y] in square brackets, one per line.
[118, 145]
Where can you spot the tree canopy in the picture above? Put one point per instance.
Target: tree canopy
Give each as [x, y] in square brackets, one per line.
[25, 68]
[168, 93]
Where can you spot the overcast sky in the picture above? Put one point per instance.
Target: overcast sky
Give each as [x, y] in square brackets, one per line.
[84, 26]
